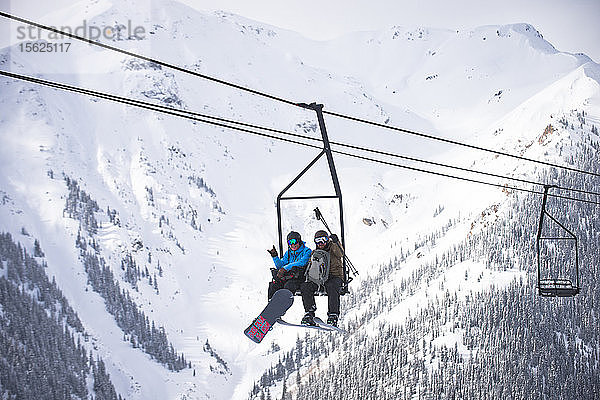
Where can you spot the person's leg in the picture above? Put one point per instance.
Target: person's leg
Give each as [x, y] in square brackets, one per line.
[308, 296]
[308, 300]
[274, 286]
[333, 287]
[293, 285]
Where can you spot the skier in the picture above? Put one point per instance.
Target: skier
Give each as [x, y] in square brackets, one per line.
[289, 269]
[332, 285]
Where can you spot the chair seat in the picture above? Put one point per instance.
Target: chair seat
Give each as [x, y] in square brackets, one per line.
[557, 288]
[320, 292]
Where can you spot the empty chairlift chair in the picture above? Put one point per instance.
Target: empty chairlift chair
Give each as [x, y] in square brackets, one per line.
[557, 256]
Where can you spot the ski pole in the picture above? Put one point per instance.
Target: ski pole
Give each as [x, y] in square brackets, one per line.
[322, 219]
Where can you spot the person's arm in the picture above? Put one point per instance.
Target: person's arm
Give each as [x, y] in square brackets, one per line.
[304, 258]
[280, 262]
[336, 251]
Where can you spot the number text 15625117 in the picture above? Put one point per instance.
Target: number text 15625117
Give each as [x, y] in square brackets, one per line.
[44, 47]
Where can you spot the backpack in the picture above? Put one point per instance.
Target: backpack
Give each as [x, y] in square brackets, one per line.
[317, 270]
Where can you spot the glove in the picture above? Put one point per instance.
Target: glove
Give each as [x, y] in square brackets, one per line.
[334, 238]
[281, 273]
[273, 252]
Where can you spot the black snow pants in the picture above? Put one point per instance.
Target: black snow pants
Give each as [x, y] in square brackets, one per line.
[333, 286]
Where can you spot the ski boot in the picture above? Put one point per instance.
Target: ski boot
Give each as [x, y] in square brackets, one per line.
[332, 319]
[308, 319]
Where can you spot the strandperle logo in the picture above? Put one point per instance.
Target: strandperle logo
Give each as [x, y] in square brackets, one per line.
[92, 32]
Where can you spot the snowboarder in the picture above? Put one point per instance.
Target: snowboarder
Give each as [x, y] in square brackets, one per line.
[333, 283]
[289, 269]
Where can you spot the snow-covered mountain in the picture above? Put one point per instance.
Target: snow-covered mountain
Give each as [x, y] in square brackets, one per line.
[176, 215]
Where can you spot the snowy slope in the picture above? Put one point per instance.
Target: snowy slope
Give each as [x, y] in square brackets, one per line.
[199, 200]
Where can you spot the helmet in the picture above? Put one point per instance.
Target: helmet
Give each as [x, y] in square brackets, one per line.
[294, 235]
[320, 234]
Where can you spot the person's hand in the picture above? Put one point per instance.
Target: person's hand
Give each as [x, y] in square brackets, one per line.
[281, 273]
[273, 252]
[334, 238]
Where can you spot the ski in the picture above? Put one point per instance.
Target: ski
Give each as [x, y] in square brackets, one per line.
[324, 325]
[281, 301]
[320, 328]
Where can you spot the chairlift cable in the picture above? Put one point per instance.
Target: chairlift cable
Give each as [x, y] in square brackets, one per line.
[149, 59]
[158, 108]
[187, 115]
[457, 143]
[144, 104]
[177, 112]
[462, 178]
[385, 153]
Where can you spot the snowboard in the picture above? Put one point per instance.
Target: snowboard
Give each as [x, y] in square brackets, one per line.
[281, 301]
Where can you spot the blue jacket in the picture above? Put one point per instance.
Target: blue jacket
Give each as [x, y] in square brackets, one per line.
[291, 259]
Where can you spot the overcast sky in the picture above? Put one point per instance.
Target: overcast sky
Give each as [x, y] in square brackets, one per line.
[570, 25]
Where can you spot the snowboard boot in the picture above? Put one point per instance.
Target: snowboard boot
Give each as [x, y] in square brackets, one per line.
[308, 319]
[332, 319]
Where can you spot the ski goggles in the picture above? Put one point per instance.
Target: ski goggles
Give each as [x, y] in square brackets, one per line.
[321, 239]
[293, 241]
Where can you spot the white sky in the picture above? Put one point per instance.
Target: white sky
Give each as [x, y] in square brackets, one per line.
[570, 25]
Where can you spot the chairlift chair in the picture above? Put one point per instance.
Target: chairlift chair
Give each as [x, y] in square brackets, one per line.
[318, 108]
[556, 286]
